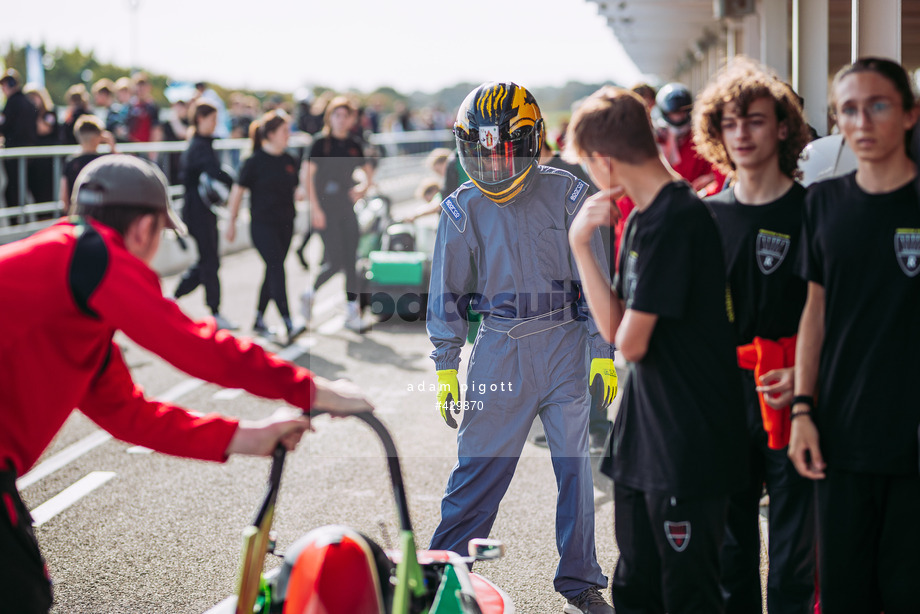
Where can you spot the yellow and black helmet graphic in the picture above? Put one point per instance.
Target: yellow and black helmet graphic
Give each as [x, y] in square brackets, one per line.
[499, 132]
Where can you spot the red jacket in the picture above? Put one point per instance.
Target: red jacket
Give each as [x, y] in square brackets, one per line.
[55, 357]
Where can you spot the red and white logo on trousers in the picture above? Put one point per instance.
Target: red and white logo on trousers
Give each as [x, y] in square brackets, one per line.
[678, 534]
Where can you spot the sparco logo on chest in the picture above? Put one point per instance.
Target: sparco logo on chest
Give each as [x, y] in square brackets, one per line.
[907, 249]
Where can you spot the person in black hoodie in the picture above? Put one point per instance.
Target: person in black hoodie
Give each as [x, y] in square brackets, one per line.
[199, 159]
[18, 127]
[270, 175]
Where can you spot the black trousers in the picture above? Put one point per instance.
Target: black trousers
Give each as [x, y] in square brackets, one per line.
[792, 538]
[11, 194]
[41, 179]
[669, 552]
[24, 584]
[202, 226]
[868, 544]
[340, 239]
[273, 240]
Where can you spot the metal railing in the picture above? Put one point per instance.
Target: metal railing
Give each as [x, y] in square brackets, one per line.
[399, 164]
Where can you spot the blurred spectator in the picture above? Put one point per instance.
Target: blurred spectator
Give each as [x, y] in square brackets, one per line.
[317, 111]
[307, 121]
[144, 114]
[438, 161]
[90, 133]
[175, 129]
[18, 128]
[454, 175]
[223, 118]
[272, 103]
[676, 141]
[116, 120]
[329, 174]
[374, 112]
[647, 93]
[77, 105]
[270, 176]
[41, 170]
[560, 138]
[199, 162]
[241, 115]
[103, 92]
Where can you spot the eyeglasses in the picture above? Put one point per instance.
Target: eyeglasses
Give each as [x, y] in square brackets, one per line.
[878, 109]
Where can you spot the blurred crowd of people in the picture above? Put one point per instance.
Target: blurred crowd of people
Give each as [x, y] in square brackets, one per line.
[129, 113]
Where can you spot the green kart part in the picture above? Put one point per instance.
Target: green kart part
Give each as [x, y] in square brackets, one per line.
[396, 268]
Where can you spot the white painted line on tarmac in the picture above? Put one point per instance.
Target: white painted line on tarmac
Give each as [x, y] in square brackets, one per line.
[75, 451]
[62, 458]
[70, 495]
[298, 349]
[228, 605]
[765, 531]
[180, 390]
[328, 305]
[334, 325]
[227, 394]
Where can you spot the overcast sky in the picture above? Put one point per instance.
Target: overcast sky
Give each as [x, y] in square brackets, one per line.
[285, 44]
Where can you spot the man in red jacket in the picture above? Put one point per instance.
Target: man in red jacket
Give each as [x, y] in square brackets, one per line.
[66, 291]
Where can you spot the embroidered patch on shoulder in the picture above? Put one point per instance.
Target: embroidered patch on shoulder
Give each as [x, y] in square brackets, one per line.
[577, 190]
[452, 207]
[678, 534]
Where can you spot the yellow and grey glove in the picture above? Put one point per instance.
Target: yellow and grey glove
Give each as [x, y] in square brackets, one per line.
[448, 395]
[602, 383]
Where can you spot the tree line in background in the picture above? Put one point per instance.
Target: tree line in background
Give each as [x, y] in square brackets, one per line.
[64, 68]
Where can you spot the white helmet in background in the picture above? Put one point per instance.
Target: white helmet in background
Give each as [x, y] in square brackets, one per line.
[826, 158]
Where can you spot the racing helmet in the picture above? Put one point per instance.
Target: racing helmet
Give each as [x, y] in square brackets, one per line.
[215, 190]
[674, 98]
[499, 132]
[825, 158]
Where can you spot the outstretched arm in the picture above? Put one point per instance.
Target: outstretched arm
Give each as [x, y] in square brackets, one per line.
[804, 450]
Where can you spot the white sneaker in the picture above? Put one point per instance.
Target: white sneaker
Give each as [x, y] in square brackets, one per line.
[224, 324]
[353, 319]
[306, 306]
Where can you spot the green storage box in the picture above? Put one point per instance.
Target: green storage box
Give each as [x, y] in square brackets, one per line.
[396, 268]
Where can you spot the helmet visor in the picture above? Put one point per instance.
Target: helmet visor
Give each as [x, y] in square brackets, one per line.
[491, 158]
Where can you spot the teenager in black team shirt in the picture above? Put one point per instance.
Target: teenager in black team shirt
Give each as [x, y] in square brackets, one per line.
[270, 175]
[855, 413]
[678, 447]
[749, 124]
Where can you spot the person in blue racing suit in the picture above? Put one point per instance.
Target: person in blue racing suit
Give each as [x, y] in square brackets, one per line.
[502, 250]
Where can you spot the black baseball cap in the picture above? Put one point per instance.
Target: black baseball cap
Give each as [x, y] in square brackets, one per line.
[121, 180]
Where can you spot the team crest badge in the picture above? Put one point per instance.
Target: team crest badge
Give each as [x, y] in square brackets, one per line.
[907, 248]
[678, 534]
[488, 136]
[772, 248]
